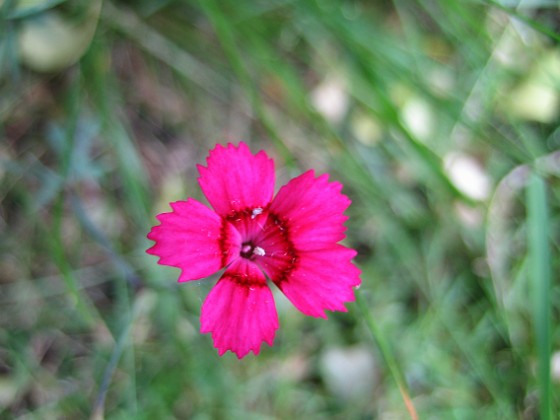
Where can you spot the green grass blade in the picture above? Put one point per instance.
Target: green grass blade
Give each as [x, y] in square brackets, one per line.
[226, 35]
[387, 354]
[528, 21]
[34, 9]
[540, 272]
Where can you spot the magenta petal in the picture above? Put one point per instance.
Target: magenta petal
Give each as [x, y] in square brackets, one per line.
[312, 209]
[195, 239]
[322, 280]
[240, 311]
[236, 180]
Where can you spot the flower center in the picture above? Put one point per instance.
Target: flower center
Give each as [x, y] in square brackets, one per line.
[249, 251]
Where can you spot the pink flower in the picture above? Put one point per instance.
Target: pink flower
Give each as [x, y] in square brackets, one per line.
[291, 239]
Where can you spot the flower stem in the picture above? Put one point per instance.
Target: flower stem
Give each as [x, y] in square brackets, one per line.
[387, 354]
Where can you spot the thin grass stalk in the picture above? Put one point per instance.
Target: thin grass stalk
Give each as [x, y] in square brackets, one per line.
[514, 12]
[540, 272]
[226, 36]
[386, 354]
[98, 411]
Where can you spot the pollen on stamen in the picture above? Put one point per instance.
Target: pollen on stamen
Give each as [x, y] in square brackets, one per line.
[256, 212]
[259, 251]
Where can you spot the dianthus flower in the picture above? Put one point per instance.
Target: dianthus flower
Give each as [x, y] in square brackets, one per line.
[291, 238]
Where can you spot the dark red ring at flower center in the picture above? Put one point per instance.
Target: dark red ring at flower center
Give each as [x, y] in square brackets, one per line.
[247, 281]
[244, 214]
[222, 242]
[289, 258]
[271, 241]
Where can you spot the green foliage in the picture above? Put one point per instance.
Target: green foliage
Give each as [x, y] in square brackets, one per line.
[440, 118]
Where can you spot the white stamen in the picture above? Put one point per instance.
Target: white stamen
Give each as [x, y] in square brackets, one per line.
[256, 212]
[258, 251]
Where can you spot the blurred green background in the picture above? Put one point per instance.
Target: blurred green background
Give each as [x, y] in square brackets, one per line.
[440, 118]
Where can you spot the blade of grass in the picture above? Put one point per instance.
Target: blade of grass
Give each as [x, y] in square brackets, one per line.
[466, 342]
[540, 272]
[105, 97]
[526, 20]
[387, 354]
[8, 46]
[84, 307]
[226, 35]
[127, 22]
[34, 9]
[123, 266]
[99, 405]
[58, 250]
[128, 278]
[371, 85]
